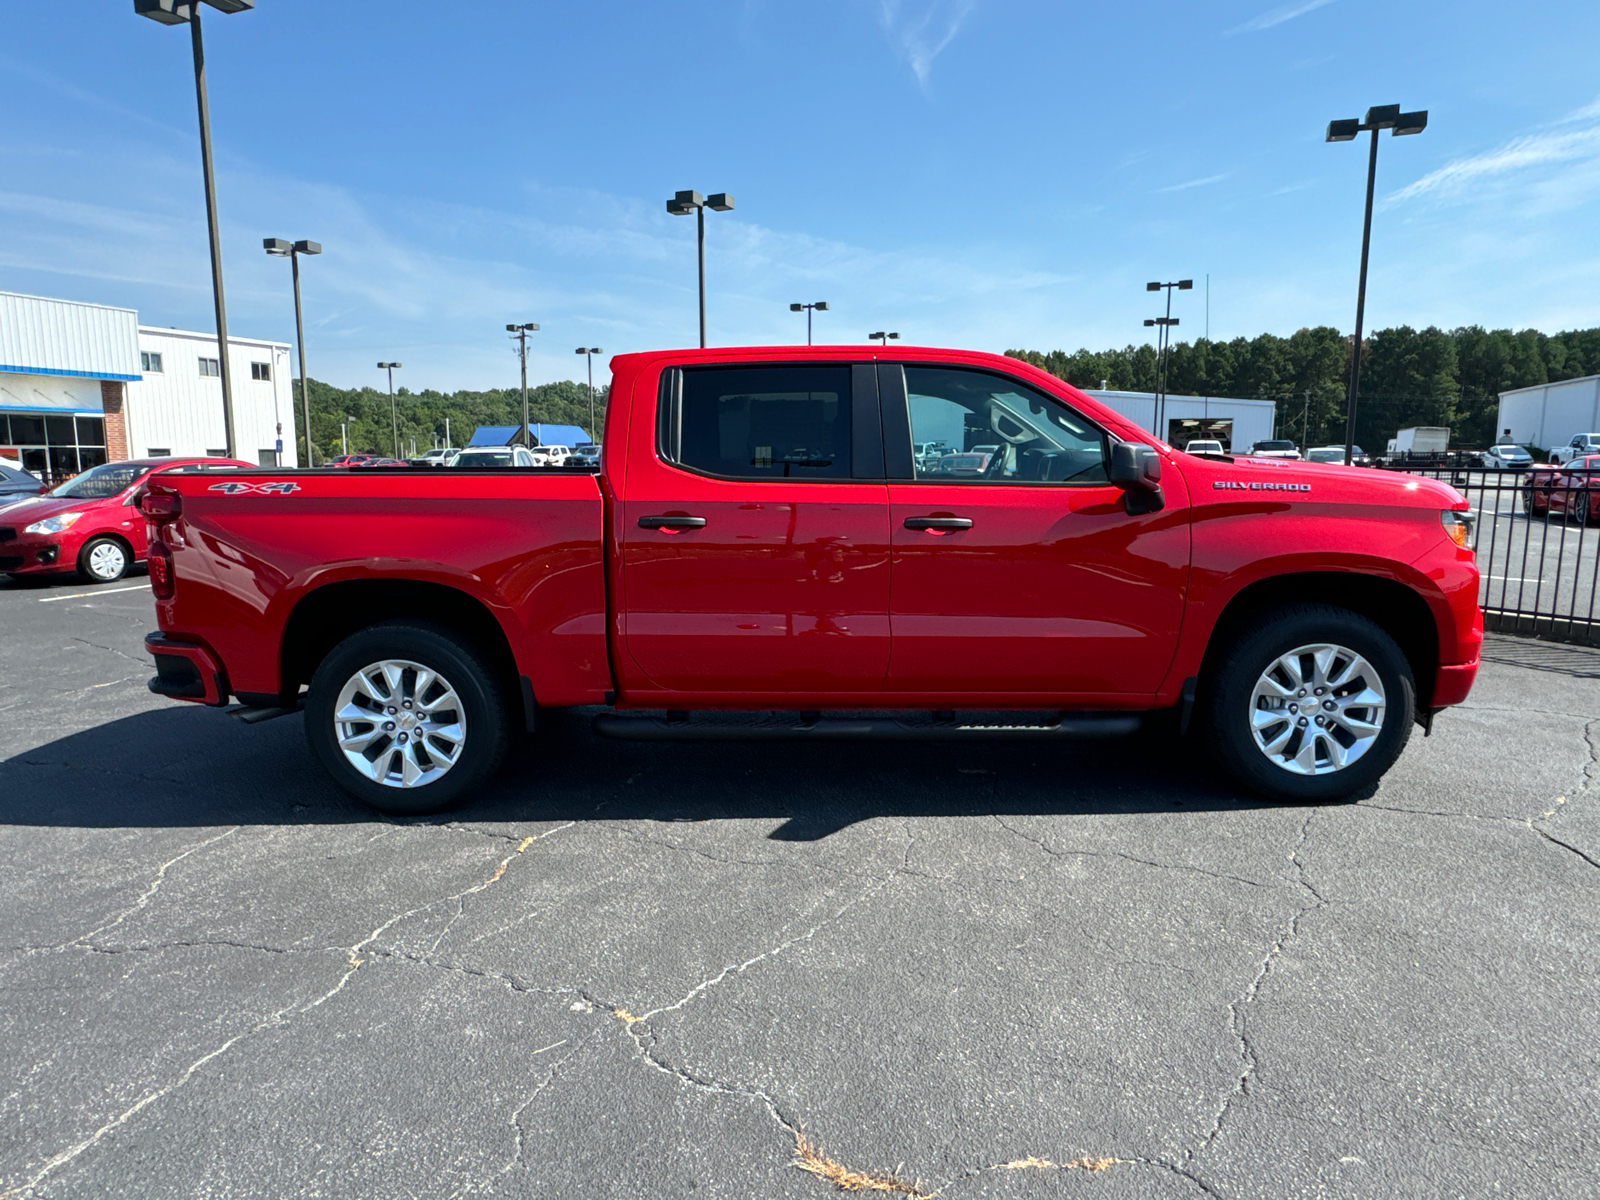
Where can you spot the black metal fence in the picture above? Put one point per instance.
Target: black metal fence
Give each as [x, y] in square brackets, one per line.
[1538, 549]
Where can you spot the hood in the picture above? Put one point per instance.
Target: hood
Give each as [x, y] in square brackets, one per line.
[37, 508]
[1286, 479]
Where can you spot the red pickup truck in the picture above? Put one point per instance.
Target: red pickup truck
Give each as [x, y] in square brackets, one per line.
[761, 538]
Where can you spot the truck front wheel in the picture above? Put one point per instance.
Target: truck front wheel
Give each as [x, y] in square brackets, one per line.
[407, 717]
[1314, 704]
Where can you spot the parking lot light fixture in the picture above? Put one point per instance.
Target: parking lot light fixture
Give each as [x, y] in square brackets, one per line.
[394, 419]
[589, 352]
[1380, 117]
[177, 12]
[1163, 340]
[681, 205]
[808, 309]
[282, 248]
[884, 338]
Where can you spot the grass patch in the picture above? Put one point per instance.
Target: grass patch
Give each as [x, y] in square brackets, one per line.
[811, 1159]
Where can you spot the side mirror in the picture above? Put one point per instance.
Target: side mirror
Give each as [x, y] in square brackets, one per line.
[1136, 469]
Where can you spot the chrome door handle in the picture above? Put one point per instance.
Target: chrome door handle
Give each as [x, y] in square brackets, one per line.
[929, 524]
[666, 522]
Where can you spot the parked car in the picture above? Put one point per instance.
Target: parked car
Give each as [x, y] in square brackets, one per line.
[17, 484]
[1325, 454]
[495, 456]
[584, 454]
[1581, 444]
[550, 456]
[375, 460]
[1572, 490]
[349, 460]
[964, 465]
[1275, 448]
[1507, 457]
[1205, 446]
[439, 455]
[734, 554]
[89, 524]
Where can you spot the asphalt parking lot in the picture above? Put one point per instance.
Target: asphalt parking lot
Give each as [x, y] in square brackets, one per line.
[627, 970]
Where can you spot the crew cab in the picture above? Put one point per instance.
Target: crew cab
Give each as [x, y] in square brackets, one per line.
[762, 538]
[1581, 444]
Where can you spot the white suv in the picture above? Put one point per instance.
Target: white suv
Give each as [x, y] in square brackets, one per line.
[550, 456]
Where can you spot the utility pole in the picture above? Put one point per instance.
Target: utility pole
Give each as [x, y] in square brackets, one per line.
[589, 352]
[520, 333]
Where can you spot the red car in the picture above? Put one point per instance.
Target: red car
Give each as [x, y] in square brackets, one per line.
[89, 524]
[760, 538]
[349, 460]
[1570, 490]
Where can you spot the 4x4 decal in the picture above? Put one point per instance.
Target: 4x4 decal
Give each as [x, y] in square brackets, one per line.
[235, 487]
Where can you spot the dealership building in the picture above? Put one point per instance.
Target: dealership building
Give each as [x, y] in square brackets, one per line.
[82, 384]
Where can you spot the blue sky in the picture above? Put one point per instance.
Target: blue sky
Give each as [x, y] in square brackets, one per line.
[968, 172]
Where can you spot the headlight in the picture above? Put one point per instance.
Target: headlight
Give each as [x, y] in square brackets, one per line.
[55, 524]
[1460, 526]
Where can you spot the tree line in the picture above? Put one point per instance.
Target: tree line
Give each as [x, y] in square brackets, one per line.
[1409, 376]
[421, 415]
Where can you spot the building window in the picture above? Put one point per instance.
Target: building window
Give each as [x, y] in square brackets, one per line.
[150, 362]
[216, 454]
[160, 452]
[210, 366]
[260, 371]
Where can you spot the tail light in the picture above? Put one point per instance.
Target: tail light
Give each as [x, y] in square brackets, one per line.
[163, 581]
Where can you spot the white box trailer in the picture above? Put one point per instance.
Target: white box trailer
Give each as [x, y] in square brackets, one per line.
[1421, 439]
[1550, 414]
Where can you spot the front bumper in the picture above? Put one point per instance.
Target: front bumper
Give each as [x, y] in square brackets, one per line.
[30, 555]
[186, 671]
[1452, 683]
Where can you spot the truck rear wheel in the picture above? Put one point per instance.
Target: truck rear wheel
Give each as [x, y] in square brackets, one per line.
[407, 717]
[1313, 704]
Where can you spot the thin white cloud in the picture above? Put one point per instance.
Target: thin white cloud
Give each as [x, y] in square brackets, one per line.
[1519, 156]
[1589, 112]
[921, 36]
[1193, 183]
[1274, 17]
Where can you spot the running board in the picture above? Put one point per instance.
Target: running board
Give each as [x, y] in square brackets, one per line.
[254, 716]
[678, 728]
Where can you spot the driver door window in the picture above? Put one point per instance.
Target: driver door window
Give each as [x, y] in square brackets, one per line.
[971, 426]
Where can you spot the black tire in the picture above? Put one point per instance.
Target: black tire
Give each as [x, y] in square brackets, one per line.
[104, 559]
[1229, 702]
[463, 665]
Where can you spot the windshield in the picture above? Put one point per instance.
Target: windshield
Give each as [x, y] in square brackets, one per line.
[1274, 445]
[497, 458]
[1510, 451]
[100, 482]
[1326, 456]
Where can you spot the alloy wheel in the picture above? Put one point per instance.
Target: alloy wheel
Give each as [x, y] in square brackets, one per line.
[400, 724]
[1317, 709]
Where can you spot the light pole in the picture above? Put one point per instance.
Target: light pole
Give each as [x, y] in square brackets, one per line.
[819, 306]
[519, 334]
[589, 352]
[1166, 323]
[176, 12]
[280, 248]
[681, 205]
[884, 338]
[1384, 116]
[344, 435]
[394, 419]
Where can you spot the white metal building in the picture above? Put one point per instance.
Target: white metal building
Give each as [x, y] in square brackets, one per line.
[1548, 414]
[82, 384]
[1235, 423]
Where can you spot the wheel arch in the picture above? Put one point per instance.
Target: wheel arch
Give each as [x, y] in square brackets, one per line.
[328, 614]
[1389, 604]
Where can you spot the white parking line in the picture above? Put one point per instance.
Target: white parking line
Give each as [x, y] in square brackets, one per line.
[138, 587]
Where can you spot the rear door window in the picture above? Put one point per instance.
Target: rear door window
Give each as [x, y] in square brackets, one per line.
[760, 422]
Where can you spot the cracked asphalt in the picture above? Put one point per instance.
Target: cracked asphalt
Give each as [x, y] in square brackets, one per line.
[638, 970]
